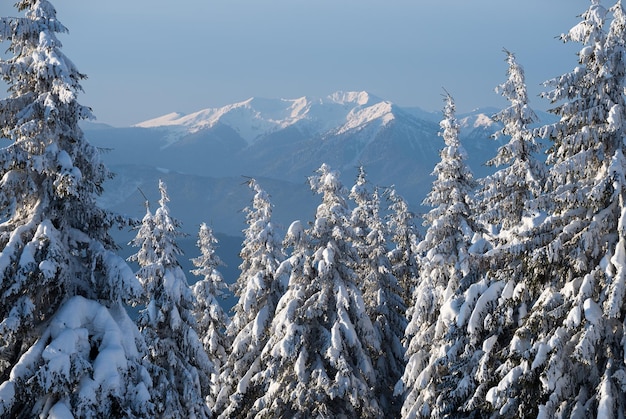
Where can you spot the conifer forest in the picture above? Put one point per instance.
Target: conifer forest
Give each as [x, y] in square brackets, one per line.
[507, 298]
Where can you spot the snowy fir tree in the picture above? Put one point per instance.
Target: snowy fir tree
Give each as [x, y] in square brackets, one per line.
[567, 356]
[67, 345]
[446, 268]
[317, 360]
[211, 319]
[404, 237]
[511, 305]
[502, 200]
[381, 292]
[176, 360]
[258, 293]
[486, 313]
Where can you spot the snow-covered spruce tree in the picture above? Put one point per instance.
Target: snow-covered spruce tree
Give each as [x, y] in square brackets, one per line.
[381, 292]
[404, 237]
[567, 357]
[211, 319]
[428, 384]
[67, 345]
[176, 360]
[258, 293]
[503, 198]
[317, 360]
[501, 206]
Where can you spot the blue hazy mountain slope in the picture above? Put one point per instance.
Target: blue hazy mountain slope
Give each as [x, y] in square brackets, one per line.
[204, 157]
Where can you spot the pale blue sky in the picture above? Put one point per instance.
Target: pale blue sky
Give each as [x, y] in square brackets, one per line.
[146, 58]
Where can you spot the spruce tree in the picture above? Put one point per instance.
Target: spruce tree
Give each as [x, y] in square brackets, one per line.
[317, 361]
[503, 208]
[258, 293]
[67, 345]
[381, 292]
[445, 271]
[567, 356]
[503, 198]
[211, 319]
[176, 360]
[404, 237]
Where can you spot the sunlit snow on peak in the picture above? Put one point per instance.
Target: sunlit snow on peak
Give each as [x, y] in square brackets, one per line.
[258, 117]
[483, 120]
[251, 118]
[381, 111]
[477, 119]
[169, 119]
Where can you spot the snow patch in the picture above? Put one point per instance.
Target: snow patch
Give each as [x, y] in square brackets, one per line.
[593, 312]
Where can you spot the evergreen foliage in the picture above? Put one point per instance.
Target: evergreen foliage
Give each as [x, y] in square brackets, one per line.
[381, 292]
[176, 360]
[502, 200]
[404, 237]
[511, 305]
[446, 270]
[503, 208]
[317, 358]
[258, 293]
[67, 345]
[566, 357]
[211, 319]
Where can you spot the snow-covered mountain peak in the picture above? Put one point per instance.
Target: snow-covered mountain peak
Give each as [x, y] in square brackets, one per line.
[483, 120]
[478, 118]
[250, 118]
[257, 117]
[360, 116]
[169, 119]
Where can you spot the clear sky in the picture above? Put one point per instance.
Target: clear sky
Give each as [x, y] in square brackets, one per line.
[146, 58]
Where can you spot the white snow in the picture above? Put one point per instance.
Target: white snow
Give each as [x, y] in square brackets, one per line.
[482, 306]
[593, 312]
[64, 349]
[476, 121]
[496, 393]
[256, 117]
[615, 119]
[260, 321]
[471, 295]
[606, 404]
[489, 342]
[60, 411]
[361, 116]
[300, 366]
[541, 356]
[573, 318]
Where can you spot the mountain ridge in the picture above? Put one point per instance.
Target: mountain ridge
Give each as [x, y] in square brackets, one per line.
[284, 141]
[257, 117]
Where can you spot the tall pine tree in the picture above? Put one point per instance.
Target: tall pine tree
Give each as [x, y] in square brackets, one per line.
[445, 264]
[316, 361]
[67, 345]
[503, 208]
[211, 319]
[404, 237]
[567, 357]
[258, 293]
[176, 360]
[503, 198]
[381, 292]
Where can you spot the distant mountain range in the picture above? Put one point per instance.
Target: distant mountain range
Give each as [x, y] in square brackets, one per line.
[205, 156]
